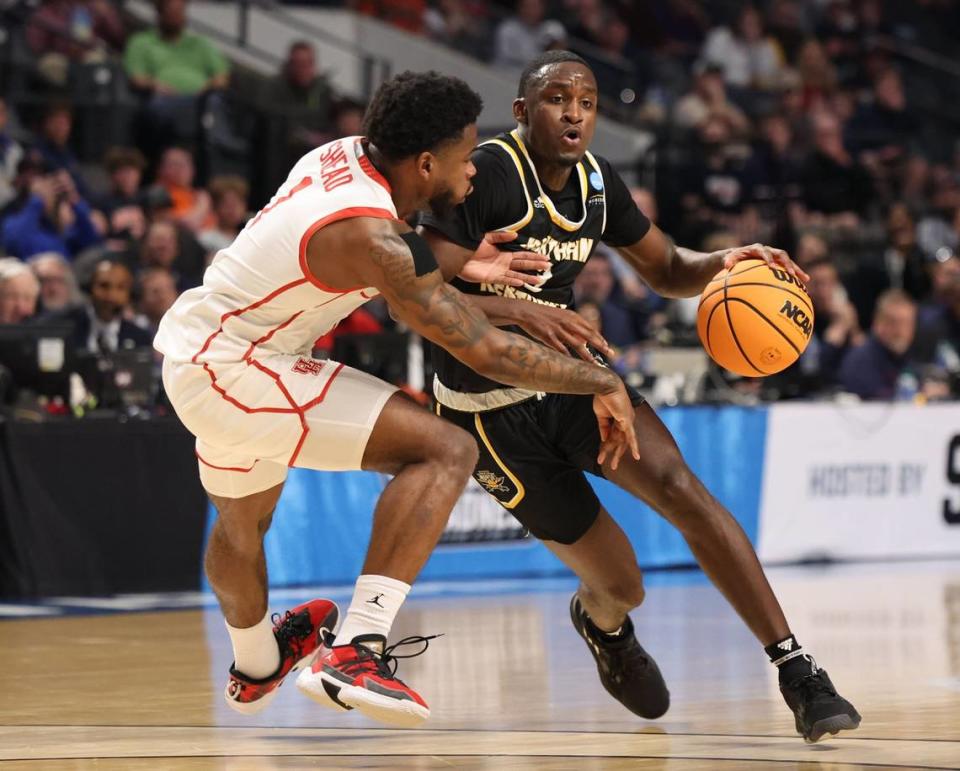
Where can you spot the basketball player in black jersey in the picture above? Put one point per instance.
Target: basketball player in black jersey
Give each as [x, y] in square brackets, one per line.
[541, 182]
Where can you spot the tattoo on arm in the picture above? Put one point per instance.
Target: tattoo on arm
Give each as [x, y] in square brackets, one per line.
[432, 301]
[448, 318]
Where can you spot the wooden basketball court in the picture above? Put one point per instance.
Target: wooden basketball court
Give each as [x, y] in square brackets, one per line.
[510, 684]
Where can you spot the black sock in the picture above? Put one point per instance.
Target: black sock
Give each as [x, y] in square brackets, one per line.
[789, 658]
[782, 648]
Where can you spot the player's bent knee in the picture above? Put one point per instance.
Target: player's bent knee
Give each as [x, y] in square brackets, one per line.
[240, 529]
[675, 484]
[458, 451]
[237, 540]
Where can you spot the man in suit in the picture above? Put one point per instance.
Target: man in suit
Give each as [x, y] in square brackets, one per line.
[99, 325]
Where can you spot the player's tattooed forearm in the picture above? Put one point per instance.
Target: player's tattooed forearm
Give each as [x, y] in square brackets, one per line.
[392, 256]
[460, 322]
[461, 325]
[548, 370]
[433, 301]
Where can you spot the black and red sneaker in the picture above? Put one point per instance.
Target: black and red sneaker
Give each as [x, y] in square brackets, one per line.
[300, 633]
[358, 675]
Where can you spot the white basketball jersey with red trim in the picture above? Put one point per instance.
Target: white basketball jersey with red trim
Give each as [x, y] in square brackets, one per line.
[258, 293]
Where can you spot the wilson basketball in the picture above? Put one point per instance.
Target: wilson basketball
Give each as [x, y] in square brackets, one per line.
[755, 320]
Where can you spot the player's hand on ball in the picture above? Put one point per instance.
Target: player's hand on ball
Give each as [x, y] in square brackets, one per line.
[614, 413]
[489, 265]
[561, 330]
[775, 258]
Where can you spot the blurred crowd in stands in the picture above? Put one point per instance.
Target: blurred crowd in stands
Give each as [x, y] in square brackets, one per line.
[825, 127]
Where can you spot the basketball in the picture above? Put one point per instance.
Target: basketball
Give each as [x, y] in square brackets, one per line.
[754, 319]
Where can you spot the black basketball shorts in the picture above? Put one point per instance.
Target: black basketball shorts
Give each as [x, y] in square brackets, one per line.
[533, 456]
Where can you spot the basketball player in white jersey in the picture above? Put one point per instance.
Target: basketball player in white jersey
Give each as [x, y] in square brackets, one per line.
[239, 372]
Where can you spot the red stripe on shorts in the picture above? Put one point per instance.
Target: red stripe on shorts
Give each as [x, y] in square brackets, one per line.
[294, 408]
[224, 468]
[307, 406]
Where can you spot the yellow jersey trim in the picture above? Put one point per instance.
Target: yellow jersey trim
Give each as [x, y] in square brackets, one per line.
[596, 166]
[517, 483]
[523, 182]
[558, 219]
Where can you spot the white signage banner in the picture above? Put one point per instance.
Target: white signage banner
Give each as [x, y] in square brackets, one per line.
[478, 517]
[860, 481]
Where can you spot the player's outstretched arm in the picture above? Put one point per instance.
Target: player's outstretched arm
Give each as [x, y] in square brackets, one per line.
[487, 264]
[560, 329]
[675, 271]
[448, 318]
[387, 255]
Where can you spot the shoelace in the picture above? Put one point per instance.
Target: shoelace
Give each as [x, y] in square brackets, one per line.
[632, 654]
[385, 663]
[291, 628]
[812, 685]
[620, 662]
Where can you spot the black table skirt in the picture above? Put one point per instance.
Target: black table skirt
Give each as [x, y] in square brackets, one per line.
[98, 506]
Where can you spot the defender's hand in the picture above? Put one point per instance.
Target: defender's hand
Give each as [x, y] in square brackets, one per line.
[562, 330]
[775, 258]
[614, 413]
[489, 265]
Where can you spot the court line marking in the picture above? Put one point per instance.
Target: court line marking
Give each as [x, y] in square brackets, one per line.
[801, 763]
[116, 745]
[309, 737]
[28, 611]
[845, 737]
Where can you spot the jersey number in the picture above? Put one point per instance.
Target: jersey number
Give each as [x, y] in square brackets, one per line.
[303, 184]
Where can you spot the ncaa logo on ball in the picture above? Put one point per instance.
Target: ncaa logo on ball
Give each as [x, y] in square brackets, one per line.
[795, 313]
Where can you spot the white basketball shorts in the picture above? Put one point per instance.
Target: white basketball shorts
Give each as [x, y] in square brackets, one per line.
[254, 421]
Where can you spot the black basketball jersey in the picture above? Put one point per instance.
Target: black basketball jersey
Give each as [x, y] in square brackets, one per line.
[568, 241]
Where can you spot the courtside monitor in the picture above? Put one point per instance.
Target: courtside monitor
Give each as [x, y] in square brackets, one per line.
[38, 357]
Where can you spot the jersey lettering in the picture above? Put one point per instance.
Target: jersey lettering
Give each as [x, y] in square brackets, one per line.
[334, 168]
[562, 227]
[577, 250]
[258, 296]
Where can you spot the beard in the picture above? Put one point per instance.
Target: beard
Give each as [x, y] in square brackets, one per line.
[568, 160]
[443, 202]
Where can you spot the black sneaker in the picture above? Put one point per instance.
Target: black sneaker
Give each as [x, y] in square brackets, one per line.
[626, 670]
[817, 707]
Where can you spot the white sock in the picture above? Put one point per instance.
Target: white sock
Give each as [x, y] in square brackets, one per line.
[255, 651]
[376, 600]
